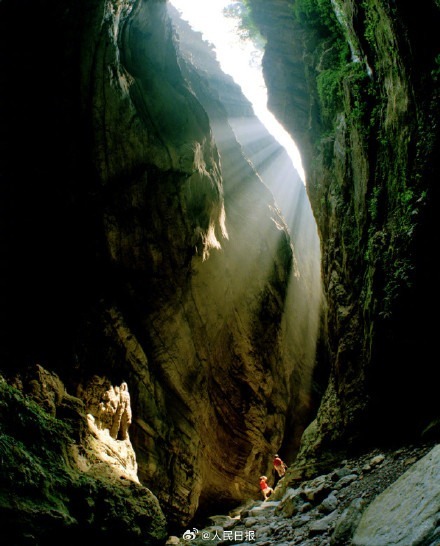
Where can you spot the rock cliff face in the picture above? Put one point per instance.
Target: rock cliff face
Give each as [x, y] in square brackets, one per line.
[357, 84]
[141, 247]
[146, 260]
[64, 476]
[241, 138]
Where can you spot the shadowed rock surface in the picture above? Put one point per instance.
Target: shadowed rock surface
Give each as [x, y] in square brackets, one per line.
[148, 258]
[357, 86]
[63, 477]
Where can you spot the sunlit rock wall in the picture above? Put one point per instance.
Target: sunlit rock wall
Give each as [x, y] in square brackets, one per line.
[125, 261]
[241, 138]
[357, 84]
[64, 477]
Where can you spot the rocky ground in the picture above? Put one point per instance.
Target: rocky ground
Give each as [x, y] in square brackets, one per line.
[319, 512]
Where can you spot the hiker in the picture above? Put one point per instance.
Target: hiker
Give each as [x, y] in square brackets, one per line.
[265, 489]
[279, 465]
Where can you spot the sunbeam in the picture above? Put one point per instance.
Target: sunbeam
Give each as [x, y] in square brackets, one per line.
[272, 257]
[240, 58]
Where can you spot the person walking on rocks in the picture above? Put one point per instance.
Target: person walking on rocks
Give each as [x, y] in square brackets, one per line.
[265, 489]
[279, 465]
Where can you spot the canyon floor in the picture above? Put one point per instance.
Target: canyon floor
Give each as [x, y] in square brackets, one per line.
[322, 511]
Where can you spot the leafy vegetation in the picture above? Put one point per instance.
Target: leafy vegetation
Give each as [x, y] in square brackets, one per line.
[372, 22]
[332, 85]
[319, 15]
[347, 90]
[247, 28]
[342, 85]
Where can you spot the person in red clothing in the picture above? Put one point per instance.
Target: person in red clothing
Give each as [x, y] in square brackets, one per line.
[279, 466]
[265, 489]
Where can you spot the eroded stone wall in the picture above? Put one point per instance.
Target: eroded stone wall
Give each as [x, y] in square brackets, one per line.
[357, 84]
[135, 270]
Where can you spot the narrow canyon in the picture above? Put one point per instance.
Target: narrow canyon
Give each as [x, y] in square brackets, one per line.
[178, 306]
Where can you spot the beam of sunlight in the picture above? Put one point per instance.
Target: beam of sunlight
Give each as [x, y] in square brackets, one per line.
[263, 187]
[241, 59]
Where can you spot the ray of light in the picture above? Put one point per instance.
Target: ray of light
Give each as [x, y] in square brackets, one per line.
[239, 58]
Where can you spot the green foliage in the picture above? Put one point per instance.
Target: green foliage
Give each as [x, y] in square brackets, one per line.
[331, 84]
[351, 92]
[247, 28]
[342, 85]
[330, 91]
[373, 204]
[319, 15]
[390, 239]
[372, 21]
[28, 422]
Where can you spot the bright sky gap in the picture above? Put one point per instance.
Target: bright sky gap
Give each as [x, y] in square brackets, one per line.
[239, 58]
